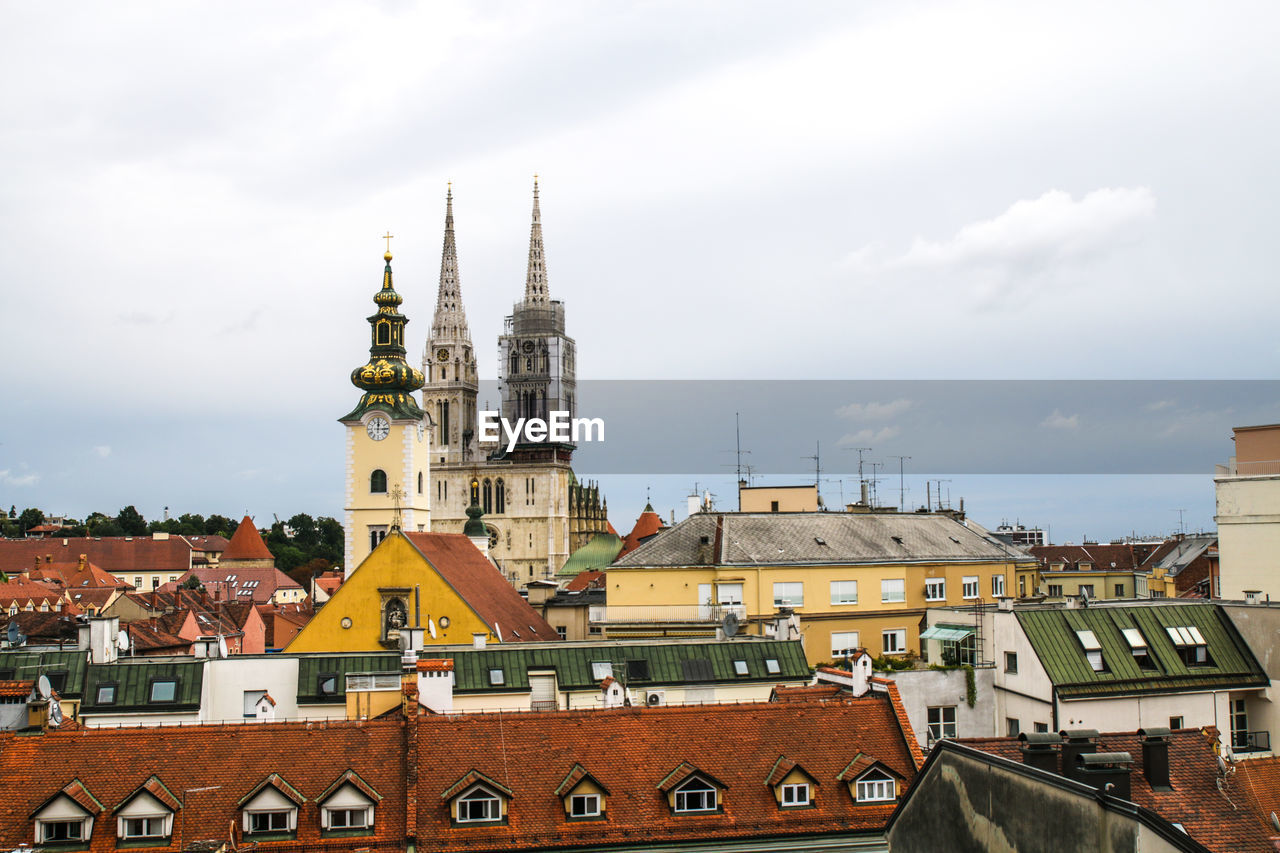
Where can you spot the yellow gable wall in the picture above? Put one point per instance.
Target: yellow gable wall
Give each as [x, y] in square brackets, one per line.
[394, 563]
[586, 786]
[795, 777]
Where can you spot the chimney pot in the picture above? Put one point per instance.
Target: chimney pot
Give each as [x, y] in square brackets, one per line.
[1155, 757]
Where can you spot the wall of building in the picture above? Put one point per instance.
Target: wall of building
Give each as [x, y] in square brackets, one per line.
[922, 689]
[402, 455]
[1248, 516]
[225, 682]
[787, 498]
[1127, 714]
[1027, 694]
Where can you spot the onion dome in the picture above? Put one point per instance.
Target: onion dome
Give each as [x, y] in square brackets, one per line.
[387, 379]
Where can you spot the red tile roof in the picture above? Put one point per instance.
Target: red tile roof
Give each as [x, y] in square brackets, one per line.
[1124, 557]
[632, 750]
[1195, 801]
[482, 587]
[1259, 780]
[256, 584]
[16, 689]
[646, 525]
[22, 590]
[209, 769]
[804, 693]
[79, 575]
[590, 579]
[116, 554]
[246, 544]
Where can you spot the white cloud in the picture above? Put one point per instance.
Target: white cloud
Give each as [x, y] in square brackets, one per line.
[8, 478]
[874, 411]
[1049, 235]
[1057, 420]
[868, 436]
[1159, 405]
[103, 450]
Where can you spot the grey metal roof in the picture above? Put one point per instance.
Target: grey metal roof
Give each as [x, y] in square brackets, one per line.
[1187, 551]
[809, 538]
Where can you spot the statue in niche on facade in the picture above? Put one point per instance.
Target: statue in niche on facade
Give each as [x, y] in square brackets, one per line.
[396, 617]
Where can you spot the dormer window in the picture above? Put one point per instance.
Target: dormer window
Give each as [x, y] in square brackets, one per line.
[1092, 650]
[477, 799]
[792, 786]
[695, 796]
[583, 795]
[479, 805]
[876, 786]
[796, 794]
[271, 808]
[1190, 644]
[67, 817]
[347, 807]
[163, 690]
[147, 813]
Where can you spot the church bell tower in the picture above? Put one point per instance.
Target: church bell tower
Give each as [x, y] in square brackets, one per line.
[387, 445]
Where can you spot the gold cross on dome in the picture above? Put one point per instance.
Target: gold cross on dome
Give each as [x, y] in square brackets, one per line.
[388, 237]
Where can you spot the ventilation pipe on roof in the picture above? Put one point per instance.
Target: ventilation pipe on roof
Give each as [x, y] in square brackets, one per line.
[1106, 771]
[1040, 750]
[1077, 742]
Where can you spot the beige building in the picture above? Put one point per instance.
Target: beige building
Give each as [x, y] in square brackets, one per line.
[778, 499]
[851, 580]
[1248, 514]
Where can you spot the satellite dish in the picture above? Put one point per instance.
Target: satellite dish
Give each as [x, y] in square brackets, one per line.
[730, 624]
[45, 688]
[497, 629]
[122, 641]
[55, 712]
[15, 637]
[222, 647]
[1275, 821]
[431, 628]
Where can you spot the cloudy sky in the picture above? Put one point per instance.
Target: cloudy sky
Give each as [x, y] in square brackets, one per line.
[194, 193]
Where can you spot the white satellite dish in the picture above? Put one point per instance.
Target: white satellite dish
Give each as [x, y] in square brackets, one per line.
[55, 712]
[222, 647]
[122, 641]
[431, 627]
[497, 629]
[45, 688]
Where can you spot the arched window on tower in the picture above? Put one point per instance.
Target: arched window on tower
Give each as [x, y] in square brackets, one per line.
[488, 496]
[444, 422]
[384, 333]
[515, 363]
[378, 482]
[546, 361]
[499, 497]
[419, 482]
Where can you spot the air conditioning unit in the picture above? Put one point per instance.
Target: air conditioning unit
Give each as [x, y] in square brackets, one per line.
[653, 698]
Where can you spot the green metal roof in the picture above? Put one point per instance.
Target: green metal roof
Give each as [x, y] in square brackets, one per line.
[667, 663]
[1052, 633]
[133, 679]
[66, 667]
[313, 668]
[597, 554]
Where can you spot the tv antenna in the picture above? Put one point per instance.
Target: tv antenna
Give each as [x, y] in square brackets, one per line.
[902, 491]
[1182, 528]
[738, 452]
[875, 492]
[817, 464]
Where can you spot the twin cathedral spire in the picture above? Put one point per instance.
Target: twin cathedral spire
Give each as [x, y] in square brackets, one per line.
[535, 358]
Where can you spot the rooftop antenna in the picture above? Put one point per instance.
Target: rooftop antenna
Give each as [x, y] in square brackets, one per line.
[738, 452]
[817, 464]
[875, 492]
[902, 491]
[1182, 528]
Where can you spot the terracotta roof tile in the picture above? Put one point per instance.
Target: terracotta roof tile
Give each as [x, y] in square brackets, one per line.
[1207, 813]
[246, 544]
[16, 689]
[482, 586]
[804, 693]
[435, 665]
[119, 555]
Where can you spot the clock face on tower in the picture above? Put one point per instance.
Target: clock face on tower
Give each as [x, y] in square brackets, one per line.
[378, 429]
[442, 354]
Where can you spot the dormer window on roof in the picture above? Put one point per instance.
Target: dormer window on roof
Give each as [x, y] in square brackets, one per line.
[1190, 644]
[146, 814]
[1138, 645]
[690, 791]
[583, 795]
[792, 786]
[163, 690]
[475, 798]
[876, 786]
[347, 806]
[1092, 650]
[66, 817]
[271, 808]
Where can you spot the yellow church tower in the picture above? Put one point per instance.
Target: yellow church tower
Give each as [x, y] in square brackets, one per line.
[388, 445]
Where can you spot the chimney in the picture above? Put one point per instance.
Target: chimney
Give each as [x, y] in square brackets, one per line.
[1251, 596]
[479, 641]
[1106, 771]
[84, 563]
[1077, 742]
[1005, 603]
[1040, 750]
[1155, 757]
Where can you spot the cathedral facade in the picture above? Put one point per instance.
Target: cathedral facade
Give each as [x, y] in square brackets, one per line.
[535, 510]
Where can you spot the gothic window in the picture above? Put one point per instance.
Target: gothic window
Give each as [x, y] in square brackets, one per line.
[384, 333]
[546, 361]
[515, 363]
[444, 373]
[419, 482]
[444, 422]
[488, 496]
[528, 365]
[378, 482]
[500, 497]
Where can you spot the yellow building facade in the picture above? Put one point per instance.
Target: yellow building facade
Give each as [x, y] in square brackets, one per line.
[852, 580]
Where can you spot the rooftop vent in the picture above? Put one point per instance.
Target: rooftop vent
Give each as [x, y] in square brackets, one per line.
[1155, 757]
[1106, 771]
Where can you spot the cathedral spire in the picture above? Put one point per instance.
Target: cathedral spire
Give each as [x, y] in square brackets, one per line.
[535, 283]
[451, 317]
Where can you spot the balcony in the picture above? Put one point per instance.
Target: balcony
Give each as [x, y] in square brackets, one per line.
[1242, 742]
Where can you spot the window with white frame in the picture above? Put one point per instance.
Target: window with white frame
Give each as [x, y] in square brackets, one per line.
[942, 722]
[935, 589]
[876, 786]
[1092, 650]
[894, 642]
[478, 805]
[788, 594]
[270, 811]
[795, 794]
[728, 594]
[144, 817]
[970, 586]
[843, 643]
[348, 808]
[740, 668]
[893, 589]
[142, 827]
[844, 592]
[260, 822]
[695, 795]
[57, 831]
[997, 585]
[584, 805]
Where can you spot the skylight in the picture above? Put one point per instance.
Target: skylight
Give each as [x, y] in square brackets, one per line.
[1089, 641]
[1134, 638]
[1188, 636]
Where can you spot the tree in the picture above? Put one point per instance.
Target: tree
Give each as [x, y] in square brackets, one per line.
[332, 540]
[219, 525]
[305, 533]
[288, 557]
[13, 510]
[131, 521]
[29, 518]
[190, 524]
